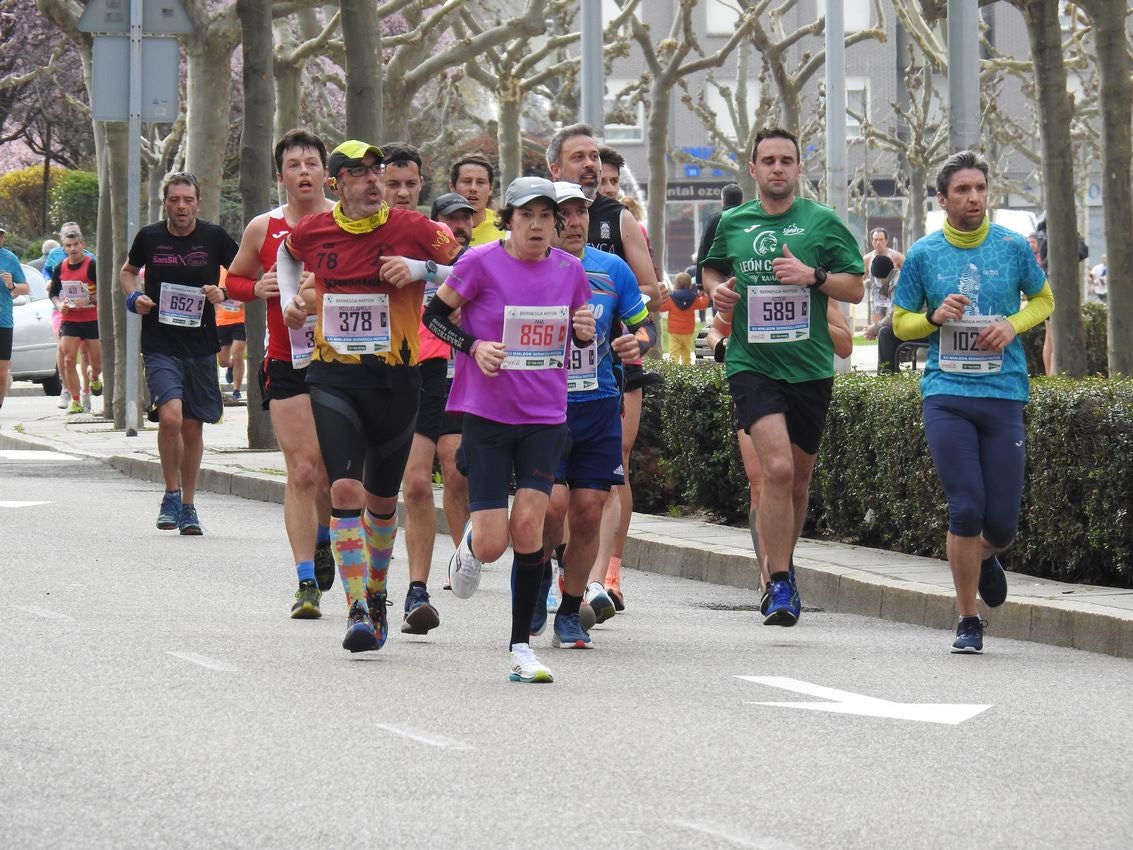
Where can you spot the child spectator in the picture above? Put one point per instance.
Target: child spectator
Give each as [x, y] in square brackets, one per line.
[681, 307]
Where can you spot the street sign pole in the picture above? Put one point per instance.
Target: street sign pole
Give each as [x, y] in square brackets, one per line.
[133, 208]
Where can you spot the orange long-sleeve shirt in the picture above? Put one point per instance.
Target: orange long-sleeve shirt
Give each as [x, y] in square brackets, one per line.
[683, 321]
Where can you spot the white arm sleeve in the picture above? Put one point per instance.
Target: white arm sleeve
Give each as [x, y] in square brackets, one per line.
[288, 271]
[417, 270]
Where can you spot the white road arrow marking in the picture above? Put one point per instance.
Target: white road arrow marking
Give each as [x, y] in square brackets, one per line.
[422, 737]
[4, 504]
[43, 612]
[31, 454]
[203, 661]
[847, 702]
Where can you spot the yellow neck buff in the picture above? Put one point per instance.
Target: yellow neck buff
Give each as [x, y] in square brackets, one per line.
[362, 225]
[967, 238]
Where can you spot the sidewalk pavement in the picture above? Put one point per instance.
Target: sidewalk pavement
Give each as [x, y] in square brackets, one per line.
[833, 576]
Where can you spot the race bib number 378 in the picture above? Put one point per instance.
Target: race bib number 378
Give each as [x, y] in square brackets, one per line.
[357, 324]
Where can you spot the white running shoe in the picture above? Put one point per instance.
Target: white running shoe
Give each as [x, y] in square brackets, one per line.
[525, 667]
[64, 400]
[84, 401]
[596, 597]
[463, 568]
[554, 597]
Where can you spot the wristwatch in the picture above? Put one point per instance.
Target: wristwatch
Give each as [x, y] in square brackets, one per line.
[430, 270]
[820, 275]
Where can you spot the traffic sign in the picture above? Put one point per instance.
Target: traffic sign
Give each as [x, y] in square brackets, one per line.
[110, 97]
[159, 17]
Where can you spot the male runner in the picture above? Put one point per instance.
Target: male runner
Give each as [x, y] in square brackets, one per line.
[790, 255]
[14, 285]
[975, 383]
[363, 378]
[182, 257]
[301, 171]
[473, 177]
[74, 285]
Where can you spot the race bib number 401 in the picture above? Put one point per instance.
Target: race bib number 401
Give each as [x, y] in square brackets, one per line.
[958, 349]
[535, 337]
[778, 313]
[180, 305]
[357, 324]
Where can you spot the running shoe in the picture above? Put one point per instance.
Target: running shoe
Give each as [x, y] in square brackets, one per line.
[785, 605]
[420, 615]
[596, 597]
[539, 615]
[969, 635]
[324, 566]
[614, 591]
[84, 400]
[993, 582]
[228, 375]
[237, 395]
[170, 514]
[765, 599]
[96, 387]
[64, 400]
[188, 522]
[377, 603]
[555, 591]
[569, 633]
[463, 568]
[525, 667]
[75, 407]
[306, 605]
[360, 635]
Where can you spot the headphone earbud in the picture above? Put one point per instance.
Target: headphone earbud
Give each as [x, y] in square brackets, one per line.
[332, 182]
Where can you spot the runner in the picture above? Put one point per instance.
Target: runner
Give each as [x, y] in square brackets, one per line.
[975, 384]
[517, 298]
[791, 255]
[15, 285]
[74, 283]
[363, 376]
[301, 171]
[182, 257]
[232, 335]
[472, 177]
[594, 461]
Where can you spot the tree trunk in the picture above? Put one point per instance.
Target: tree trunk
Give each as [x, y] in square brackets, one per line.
[1045, 33]
[657, 129]
[363, 72]
[256, 168]
[1116, 92]
[508, 130]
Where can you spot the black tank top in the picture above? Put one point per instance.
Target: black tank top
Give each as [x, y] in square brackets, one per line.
[606, 226]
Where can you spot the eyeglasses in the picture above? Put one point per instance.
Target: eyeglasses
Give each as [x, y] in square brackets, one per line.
[361, 170]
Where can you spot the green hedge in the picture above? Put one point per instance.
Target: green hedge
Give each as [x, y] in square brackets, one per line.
[874, 483]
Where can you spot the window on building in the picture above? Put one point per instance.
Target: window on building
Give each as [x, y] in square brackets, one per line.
[624, 123]
[856, 15]
[857, 103]
[720, 17]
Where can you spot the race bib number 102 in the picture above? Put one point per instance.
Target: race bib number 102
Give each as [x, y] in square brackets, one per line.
[958, 349]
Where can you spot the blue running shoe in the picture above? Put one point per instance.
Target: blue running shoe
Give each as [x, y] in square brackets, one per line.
[360, 634]
[188, 523]
[420, 615]
[785, 605]
[539, 615]
[969, 636]
[569, 633]
[765, 599]
[377, 604]
[170, 513]
[993, 582]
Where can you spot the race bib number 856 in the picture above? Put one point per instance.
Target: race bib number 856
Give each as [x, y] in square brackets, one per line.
[535, 337]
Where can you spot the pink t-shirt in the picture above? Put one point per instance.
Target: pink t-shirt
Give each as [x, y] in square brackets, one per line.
[492, 279]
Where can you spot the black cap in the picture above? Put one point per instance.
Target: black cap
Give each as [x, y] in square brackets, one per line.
[449, 203]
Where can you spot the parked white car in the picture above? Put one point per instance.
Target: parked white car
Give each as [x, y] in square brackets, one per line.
[33, 343]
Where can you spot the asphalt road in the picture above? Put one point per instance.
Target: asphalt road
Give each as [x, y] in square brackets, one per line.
[154, 693]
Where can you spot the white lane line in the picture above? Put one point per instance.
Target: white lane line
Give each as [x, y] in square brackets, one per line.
[204, 661]
[43, 612]
[422, 737]
[4, 504]
[731, 838]
[30, 454]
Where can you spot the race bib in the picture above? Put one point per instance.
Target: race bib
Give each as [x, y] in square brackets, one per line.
[302, 343]
[535, 337]
[582, 371]
[357, 324]
[75, 293]
[230, 306]
[778, 313]
[430, 290]
[180, 305]
[450, 368]
[958, 350]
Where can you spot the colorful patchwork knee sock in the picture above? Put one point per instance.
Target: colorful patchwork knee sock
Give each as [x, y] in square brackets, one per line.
[380, 532]
[349, 549]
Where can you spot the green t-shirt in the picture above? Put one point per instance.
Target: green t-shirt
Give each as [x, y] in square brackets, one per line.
[747, 240]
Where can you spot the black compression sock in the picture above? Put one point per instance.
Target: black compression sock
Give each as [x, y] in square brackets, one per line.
[527, 570]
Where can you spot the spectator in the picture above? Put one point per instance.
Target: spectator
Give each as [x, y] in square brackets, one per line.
[49, 245]
[682, 304]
